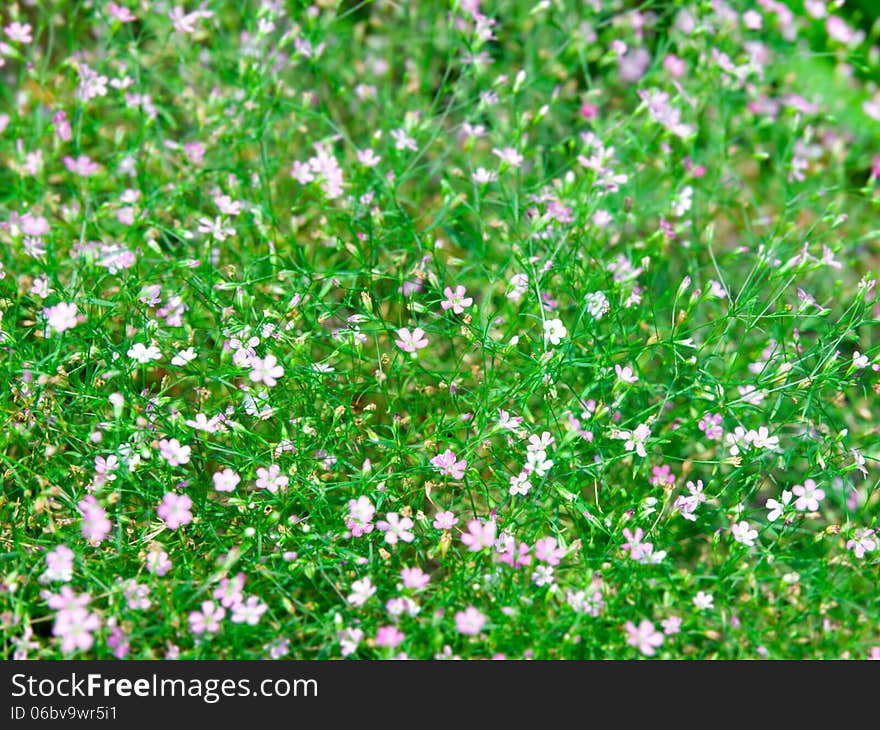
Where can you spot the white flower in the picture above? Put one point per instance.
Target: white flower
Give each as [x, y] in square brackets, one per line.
[537, 462]
[257, 404]
[744, 534]
[597, 304]
[543, 575]
[402, 141]
[704, 601]
[636, 439]
[682, 204]
[762, 439]
[554, 331]
[183, 357]
[859, 360]
[540, 443]
[361, 590]
[217, 228]
[143, 354]
[737, 441]
[778, 508]
[482, 176]
[859, 461]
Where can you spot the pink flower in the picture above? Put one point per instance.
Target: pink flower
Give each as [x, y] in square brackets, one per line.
[249, 611]
[448, 464]
[861, 542]
[470, 621]
[671, 625]
[396, 528]
[479, 535]
[74, 627]
[590, 602]
[634, 545]
[414, 578]
[186, 22]
[411, 341]
[226, 480]
[229, 592]
[511, 553]
[59, 565]
[445, 520]
[82, 165]
[360, 516]
[540, 443]
[123, 15]
[227, 205]
[687, 505]
[367, 158]
[808, 496]
[66, 599]
[633, 65]
[626, 375]
[61, 317]
[95, 525]
[217, 228]
[19, 32]
[710, 424]
[195, 152]
[636, 439]
[509, 155]
[173, 452]
[271, 479]
[33, 225]
[137, 595]
[349, 639]
[840, 31]
[674, 65]
[662, 475]
[208, 619]
[520, 484]
[266, 370]
[547, 552]
[589, 111]
[175, 510]
[646, 638]
[389, 637]
[456, 301]
[158, 562]
[118, 642]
